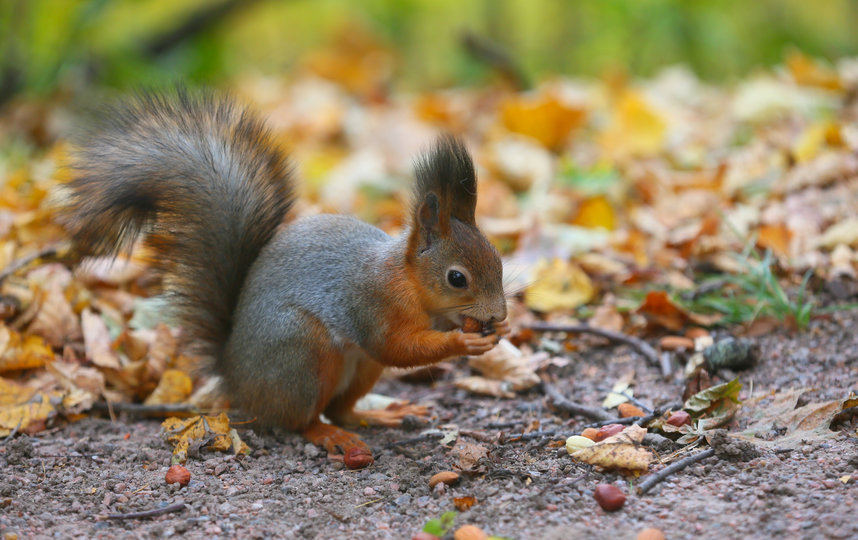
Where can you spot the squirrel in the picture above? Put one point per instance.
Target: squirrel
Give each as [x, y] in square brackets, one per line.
[298, 316]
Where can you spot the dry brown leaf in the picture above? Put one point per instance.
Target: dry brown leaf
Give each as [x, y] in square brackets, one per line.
[621, 451]
[97, 341]
[55, 320]
[75, 376]
[468, 456]
[607, 317]
[505, 370]
[109, 270]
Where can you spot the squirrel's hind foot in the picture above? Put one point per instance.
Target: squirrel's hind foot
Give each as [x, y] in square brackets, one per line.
[340, 444]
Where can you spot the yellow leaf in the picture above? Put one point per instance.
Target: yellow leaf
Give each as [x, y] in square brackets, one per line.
[807, 72]
[175, 387]
[28, 417]
[635, 129]
[543, 117]
[182, 432]
[12, 393]
[811, 141]
[21, 352]
[596, 212]
[558, 285]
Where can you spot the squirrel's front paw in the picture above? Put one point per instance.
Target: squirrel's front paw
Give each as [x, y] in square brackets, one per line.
[476, 344]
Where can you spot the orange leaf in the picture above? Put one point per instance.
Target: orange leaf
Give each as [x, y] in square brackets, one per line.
[775, 238]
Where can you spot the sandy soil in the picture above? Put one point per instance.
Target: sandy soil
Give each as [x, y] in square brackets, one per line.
[60, 483]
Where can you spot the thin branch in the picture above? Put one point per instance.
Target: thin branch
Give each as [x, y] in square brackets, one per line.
[571, 407]
[146, 410]
[430, 436]
[639, 345]
[195, 24]
[654, 479]
[148, 513]
[17, 264]
[497, 57]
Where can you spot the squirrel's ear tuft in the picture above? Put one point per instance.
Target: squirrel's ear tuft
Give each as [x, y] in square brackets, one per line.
[448, 172]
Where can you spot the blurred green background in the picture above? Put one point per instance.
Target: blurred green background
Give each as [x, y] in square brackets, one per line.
[50, 44]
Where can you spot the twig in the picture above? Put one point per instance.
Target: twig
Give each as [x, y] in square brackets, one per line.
[571, 407]
[622, 421]
[148, 513]
[639, 345]
[419, 439]
[497, 57]
[516, 437]
[12, 433]
[369, 502]
[654, 479]
[142, 409]
[634, 401]
[195, 24]
[17, 264]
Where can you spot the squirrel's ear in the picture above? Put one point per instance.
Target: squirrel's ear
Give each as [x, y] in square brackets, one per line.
[428, 224]
[429, 213]
[447, 171]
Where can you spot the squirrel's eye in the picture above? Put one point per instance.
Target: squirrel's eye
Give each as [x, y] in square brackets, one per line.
[457, 279]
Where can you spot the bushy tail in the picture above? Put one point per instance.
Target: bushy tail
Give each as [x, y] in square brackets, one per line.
[202, 178]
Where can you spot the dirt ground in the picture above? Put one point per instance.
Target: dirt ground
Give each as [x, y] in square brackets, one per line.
[60, 483]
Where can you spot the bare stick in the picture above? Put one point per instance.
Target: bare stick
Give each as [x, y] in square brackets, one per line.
[654, 479]
[571, 407]
[639, 345]
[148, 513]
[160, 409]
[430, 436]
[17, 264]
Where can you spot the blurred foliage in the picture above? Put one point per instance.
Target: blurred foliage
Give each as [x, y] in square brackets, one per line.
[69, 43]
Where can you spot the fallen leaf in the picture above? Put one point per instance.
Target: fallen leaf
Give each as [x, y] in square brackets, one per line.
[596, 212]
[214, 431]
[30, 417]
[558, 285]
[807, 72]
[175, 387]
[20, 352]
[468, 456]
[659, 310]
[635, 129]
[621, 451]
[464, 503]
[810, 422]
[97, 341]
[55, 320]
[543, 117]
[505, 371]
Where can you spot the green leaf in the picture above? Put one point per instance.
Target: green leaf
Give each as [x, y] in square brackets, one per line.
[440, 526]
[706, 399]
